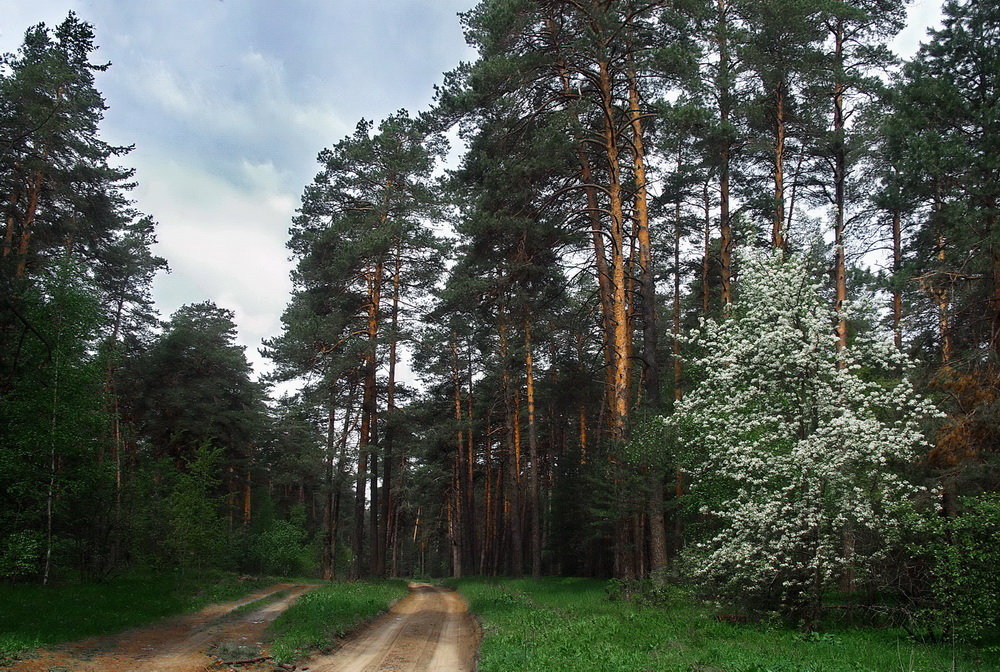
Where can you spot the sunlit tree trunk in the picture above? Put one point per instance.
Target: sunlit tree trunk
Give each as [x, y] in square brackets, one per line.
[778, 240]
[27, 223]
[621, 340]
[839, 189]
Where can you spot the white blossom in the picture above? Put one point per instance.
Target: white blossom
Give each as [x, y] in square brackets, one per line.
[800, 438]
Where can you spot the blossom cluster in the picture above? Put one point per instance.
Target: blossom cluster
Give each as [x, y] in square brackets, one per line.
[798, 439]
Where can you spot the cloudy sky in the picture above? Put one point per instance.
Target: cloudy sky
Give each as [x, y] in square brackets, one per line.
[228, 102]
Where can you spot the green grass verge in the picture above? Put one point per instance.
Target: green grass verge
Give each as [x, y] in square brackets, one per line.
[317, 619]
[32, 616]
[569, 625]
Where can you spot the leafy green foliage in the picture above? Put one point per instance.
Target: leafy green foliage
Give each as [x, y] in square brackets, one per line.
[20, 553]
[282, 546]
[197, 532]
[193, 386]
[965, 552]
[51, 421]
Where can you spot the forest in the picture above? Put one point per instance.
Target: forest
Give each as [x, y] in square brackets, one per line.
[708, 294]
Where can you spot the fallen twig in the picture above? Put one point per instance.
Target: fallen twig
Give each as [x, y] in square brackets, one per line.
[246, 661]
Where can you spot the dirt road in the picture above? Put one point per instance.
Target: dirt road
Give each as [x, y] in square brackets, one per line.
[176, 645]
[430, 630]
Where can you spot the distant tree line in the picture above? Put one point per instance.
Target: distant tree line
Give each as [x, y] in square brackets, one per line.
[123, 439]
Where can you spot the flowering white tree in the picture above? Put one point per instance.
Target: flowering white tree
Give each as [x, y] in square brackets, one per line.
[797, 440]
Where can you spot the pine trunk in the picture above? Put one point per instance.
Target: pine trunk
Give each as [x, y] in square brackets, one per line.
[839, 191]
[724, 87]
[620, 339]
[897, 268]
[27, 224]
[513, 461]
[778, 225]
[534, 502]
[327, 561]
[389, 458]
[647, 280]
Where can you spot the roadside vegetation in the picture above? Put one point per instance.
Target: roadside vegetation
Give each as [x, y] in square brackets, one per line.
[34, 616]
[557, 625]
[318, 619]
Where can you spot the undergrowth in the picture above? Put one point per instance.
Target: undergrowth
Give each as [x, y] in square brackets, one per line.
[33, 616]
[317, 619]
[572, 625]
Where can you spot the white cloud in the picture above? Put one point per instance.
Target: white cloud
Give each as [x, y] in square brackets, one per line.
[921, 15]
[225, 243]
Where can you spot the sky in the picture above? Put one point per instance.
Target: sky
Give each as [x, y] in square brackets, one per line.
[228, 102]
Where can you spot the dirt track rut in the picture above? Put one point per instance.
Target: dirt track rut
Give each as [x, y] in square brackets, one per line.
[175, 645]
[430, 630]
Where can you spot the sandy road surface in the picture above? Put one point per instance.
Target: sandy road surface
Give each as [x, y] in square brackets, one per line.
[430, 630]
[175, 645]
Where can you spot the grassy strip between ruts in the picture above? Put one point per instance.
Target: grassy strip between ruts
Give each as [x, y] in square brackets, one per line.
[569, 625]
[255, 605]
[32, 616]
[317, 619]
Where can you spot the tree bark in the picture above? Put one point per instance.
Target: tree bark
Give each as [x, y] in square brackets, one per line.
[388, 497]
[376, 560]
[27, 224]
[706, 252]
[724, 87]
[534, 501]
[513, 459]
[675, 329]
[621, 338]
[839, 183]
[647, 279]
[897, 268]
[778, 233]
[9, 225]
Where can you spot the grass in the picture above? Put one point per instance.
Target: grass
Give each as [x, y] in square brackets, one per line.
[569, 625]
[318, 618]
[256, 604]
[32, 616]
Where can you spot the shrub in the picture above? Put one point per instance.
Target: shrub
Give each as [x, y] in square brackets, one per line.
[964, 552]
[20, 554]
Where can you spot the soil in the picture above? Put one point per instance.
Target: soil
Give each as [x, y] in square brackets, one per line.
[179, 644]
[430, 630]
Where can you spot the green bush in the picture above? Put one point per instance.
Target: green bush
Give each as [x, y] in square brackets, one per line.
[964, 552]
[279, 543]
[20, 554]
[198, 534]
